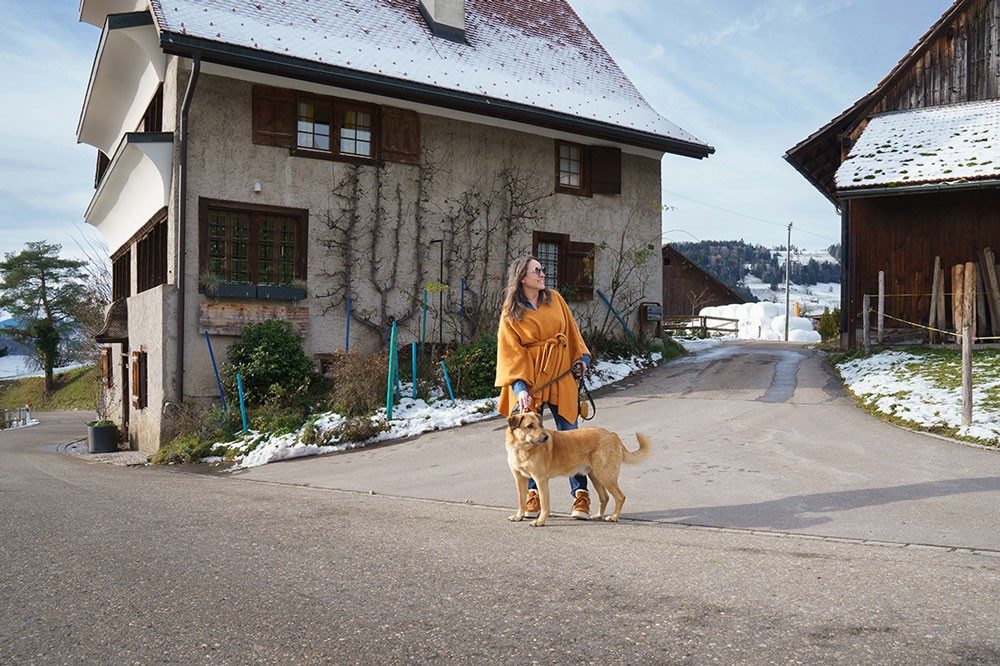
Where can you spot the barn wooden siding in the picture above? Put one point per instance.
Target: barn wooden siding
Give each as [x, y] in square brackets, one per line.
[687, 288]
[901, 235]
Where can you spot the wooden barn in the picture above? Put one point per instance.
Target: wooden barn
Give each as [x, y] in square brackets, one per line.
[687, 288]
[914, 167]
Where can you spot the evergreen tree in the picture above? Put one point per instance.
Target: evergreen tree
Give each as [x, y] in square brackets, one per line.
[41, 291]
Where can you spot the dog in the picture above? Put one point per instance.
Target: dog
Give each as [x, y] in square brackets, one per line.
[540, 454]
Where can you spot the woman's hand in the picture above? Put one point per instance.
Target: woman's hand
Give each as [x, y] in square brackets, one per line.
[579, 368]
[524, 401]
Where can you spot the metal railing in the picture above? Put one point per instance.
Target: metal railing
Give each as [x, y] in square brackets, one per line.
[14, 418]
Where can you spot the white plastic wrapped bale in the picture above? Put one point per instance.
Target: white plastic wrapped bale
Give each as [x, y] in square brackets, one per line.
[794, 324]
[762, 321]
[798, 335]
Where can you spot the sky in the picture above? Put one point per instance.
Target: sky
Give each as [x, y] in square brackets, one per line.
[750, 77]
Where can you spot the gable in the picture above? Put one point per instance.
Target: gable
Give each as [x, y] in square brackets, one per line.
[956, 61]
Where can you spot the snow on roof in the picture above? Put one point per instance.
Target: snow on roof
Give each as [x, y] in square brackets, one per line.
[533, 52]
[941, 144]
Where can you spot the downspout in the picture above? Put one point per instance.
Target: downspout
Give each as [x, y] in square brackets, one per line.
[845, 280]
[182, 217]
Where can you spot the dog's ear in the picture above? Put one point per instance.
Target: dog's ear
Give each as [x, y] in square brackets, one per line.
[514, 421]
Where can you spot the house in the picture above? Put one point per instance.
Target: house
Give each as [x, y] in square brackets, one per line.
[914, 166]
[687, 288]
[331, 163]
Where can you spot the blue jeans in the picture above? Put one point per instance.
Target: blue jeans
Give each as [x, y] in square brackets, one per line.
[578, 482]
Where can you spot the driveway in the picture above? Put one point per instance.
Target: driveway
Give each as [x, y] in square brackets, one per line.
[756, 436]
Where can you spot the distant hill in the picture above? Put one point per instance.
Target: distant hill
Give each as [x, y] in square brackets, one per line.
[732, 261]
[13, 348]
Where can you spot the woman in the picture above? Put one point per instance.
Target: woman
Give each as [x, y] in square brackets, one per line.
[538, 342]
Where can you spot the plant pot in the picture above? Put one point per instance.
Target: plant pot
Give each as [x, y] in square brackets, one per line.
[280, 292]
[102, 439]
[230, 290]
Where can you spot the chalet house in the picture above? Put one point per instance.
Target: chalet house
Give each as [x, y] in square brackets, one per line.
[914, 165]
[687, 288]
[328, 163]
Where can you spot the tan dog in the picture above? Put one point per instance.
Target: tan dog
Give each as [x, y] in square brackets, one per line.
[540, 454]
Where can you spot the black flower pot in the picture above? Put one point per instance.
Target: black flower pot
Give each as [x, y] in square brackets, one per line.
[102, 438]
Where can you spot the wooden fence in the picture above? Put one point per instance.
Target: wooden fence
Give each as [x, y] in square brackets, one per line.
[700, 324]
[13, 418]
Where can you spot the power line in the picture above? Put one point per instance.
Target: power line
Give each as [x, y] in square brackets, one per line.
[783, 225]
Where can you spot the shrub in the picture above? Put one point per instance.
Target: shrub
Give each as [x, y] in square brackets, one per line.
[829, 324]
[272, 362]
[472, 368]
[276, 419]
[186, 448]
[359, 382]
[610, 346]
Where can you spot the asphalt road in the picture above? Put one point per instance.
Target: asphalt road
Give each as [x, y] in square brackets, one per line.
[104, 564]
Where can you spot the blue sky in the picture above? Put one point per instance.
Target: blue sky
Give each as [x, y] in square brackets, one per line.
[750, 77]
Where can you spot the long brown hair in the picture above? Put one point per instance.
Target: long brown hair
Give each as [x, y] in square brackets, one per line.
[513, 294]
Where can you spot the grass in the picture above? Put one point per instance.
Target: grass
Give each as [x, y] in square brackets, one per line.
[75, 389]
[940, 368]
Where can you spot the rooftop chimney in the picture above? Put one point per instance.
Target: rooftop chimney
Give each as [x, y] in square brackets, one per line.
[445, 17]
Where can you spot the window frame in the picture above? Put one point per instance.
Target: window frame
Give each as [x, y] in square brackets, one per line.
[561, 241]
[566, 246]
[337, 107]
[584, 189]
[255, 212]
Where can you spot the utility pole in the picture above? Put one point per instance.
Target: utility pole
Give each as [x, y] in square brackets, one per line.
[788, 278]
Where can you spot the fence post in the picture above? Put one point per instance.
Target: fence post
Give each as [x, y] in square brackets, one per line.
[704, 327]
[966, 374]
[866, 306]
[881, 305]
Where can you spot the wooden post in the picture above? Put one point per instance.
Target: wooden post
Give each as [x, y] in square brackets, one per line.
[967, 375]
[942, 316]
[881, 306]
[981, 307]
[957, 297]
[932, 317]
[992, 290]
[865, 323]
[969, 296]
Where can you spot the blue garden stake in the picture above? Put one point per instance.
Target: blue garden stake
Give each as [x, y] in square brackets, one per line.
[389, 383]
[347, 339]
[243, 406]
[215, 368]
[395, 373]
[413, 362]
[628, 332]
[447, 382]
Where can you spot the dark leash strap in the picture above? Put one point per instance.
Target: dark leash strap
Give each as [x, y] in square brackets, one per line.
[590, 398]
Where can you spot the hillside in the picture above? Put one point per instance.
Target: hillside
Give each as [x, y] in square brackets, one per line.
[732, 261]
[75, 389]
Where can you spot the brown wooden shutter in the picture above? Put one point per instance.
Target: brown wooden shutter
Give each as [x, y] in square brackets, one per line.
[107, 366]
[400, 135]
[605, 170]
[273, 116]
[139, 378]
[579, 270]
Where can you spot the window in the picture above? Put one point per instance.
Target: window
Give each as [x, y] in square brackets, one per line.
[139, 379]
[587, 170]
[121, 276]
[254, 245]
[356, 133]
[152, 118]
[569, 265]
[103, 162]
[151, 258]
[314, 126]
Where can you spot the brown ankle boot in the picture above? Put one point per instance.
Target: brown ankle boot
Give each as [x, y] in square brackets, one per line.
[533, 505]
[581, 506]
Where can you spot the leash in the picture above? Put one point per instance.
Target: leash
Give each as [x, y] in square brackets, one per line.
[582, 388]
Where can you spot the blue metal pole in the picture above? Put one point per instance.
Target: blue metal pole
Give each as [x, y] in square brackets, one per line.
[413, 362]
[243, 406]
[347, 339]
[447, 382]
[215, 369]
[617, 316]
[389, 383]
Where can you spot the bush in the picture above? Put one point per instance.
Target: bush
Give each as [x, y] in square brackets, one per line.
[359, 383]
[611, 346]
[829, 324]
[186, 448]
[272, 362]
[472, 368]
[276, 419]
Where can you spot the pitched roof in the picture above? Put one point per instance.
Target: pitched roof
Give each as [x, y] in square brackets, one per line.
[817, 157]
[950, 144]
[520, 53]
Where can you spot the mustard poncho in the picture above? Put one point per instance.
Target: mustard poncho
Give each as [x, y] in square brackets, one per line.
[540, 347]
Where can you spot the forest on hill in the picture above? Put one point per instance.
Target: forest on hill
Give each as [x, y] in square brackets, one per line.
[730, 261]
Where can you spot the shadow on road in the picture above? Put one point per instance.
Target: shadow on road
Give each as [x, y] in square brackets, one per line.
[801, 511]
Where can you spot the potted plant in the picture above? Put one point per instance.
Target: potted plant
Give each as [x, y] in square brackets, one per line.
[102, 436]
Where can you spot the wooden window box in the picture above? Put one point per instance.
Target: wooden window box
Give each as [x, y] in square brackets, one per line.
[280, 292]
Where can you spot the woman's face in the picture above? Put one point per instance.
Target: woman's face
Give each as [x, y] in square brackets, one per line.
[535, 278]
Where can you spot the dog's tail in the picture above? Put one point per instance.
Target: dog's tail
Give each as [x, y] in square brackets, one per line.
[639, 455]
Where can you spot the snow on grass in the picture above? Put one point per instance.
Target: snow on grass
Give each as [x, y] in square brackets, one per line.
[325, 433]
[921, 388]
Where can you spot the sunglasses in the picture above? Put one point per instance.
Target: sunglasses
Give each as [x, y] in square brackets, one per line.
[539, 271]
